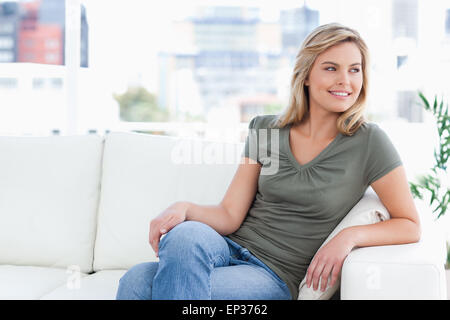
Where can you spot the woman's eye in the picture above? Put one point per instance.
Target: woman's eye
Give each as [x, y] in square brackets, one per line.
[354, 70]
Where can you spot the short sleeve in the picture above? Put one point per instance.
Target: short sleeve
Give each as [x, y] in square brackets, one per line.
[382, 157]
[251, 142]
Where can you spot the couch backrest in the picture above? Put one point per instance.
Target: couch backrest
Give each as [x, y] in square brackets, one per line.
[144, 174]
[49, 192]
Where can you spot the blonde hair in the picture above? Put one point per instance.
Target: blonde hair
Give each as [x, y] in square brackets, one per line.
[319, 40]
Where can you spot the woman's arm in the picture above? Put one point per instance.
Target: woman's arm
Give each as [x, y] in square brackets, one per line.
[403, 227]
[225, 218]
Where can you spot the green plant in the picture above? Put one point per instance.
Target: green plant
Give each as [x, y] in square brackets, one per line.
[447, 262]
[435, 183]
[139, 105]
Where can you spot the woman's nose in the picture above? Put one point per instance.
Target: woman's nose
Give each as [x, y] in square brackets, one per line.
[343, 78]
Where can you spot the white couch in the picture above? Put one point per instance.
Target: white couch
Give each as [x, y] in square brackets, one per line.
[75, 213]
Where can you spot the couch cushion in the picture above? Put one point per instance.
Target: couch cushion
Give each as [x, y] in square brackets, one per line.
[49, 189]
[101, 285]
[142, 175]
[24, 282]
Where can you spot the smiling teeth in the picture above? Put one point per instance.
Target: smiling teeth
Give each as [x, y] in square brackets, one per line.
[342, 94]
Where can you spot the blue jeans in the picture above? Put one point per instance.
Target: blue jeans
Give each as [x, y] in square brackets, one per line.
[197, 263]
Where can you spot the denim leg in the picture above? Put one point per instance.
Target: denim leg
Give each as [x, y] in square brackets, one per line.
[198, 263]
[187, 256]
[247, 282]
[136, 283]
[246, 278]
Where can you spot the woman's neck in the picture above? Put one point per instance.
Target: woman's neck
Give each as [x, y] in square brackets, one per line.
[319, 127]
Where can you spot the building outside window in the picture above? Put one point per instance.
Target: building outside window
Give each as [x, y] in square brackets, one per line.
[207, 61]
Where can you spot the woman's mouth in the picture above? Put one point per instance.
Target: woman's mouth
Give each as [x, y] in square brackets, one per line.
[340, 94]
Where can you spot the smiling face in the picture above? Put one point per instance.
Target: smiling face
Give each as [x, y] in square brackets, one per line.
[336, 78]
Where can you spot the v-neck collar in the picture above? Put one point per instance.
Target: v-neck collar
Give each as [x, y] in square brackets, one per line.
[313, 161]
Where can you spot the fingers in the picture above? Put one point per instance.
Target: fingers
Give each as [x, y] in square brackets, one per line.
[322, 274]
[155, 246]
[316, 276]
[157, 229]
[314, 272]
[166, 226]
[335, 274]
[154, 239]
[155, 235]
[310, 271]
[324, 278]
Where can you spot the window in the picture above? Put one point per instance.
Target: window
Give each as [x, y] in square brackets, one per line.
[51, 57]
[37, 27]
[29, 57]
[38, 83]
[56, 83]
[6, 27]
[28, 43]
[6, 42]
[447, 22]
[36, 49]
[405, 18]
[401, 60]
[408, 107]
[203, 55]
[6, 56]
[47, 83]
[8, 83]
[51, 43]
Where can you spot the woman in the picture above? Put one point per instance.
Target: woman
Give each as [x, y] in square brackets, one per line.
[262, 239]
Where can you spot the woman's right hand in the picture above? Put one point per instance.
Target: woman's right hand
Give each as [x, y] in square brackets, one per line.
[163, 223]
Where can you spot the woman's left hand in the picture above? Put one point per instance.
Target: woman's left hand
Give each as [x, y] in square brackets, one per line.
[329, 259]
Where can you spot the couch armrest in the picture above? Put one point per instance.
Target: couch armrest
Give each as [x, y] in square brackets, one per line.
[407, 271]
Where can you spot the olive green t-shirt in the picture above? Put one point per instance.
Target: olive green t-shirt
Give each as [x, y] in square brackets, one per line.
[297, 206]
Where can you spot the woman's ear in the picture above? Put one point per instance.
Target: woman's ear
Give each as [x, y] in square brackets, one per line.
[306, 82]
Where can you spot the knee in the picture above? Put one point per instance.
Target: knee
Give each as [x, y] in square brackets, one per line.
[133, 275]
[187, 238]
[136, 283]
[185, 235]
